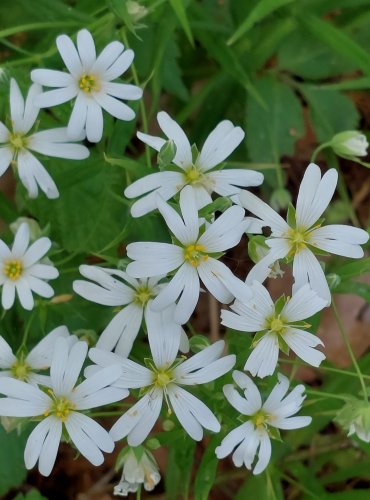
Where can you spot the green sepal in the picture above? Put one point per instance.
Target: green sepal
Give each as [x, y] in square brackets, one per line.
[256, 247]
[198, 343]
[279, 304]
[291, 216]
[219, 205]
[274, 433]
[166, 154]
[257, 337]
[194, 153]
[138, 452]
[153, 443]
[283, 346]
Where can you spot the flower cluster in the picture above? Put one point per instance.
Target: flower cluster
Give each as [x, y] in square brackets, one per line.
[158, 287]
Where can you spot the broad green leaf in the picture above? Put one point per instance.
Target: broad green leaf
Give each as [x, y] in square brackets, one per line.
[12, 469]
[272, 132]
[181, 456]
[330, 112]
[180, 11]
[338, 40]
[206, 472]
[263, 9]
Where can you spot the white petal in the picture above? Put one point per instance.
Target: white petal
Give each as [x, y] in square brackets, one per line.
[152, 182]
[258, 207]
[293, 422]
[123, 91]
[211, 372]
[234, 438]
[40, 287]
[41, 355]
[172, 183]
[16, 105]
[314, 195]
[184, 415]
[153, 258]
[4, 133]
[86, 49]
[21, 240]
[120, 65]
[121, 332]
[172, 130]
[76, 359]
[6, 155]
[164, 339]
[7, 358]
[175, 224]
[306, 268]
[30, 110]
[237, 401]
[55, 97]
[43, 143]
[347, 234]
[263, 359]
[189, 213]
[35, 442]
[197, 408]
[214, 274]
[303, 304]
[50, 447]
[201, 359]
[251, 392]
[302, 343]
[226, 231]
[32, 173]
[52, 78]
[77, 120]
[94, 122]
[83, 441]
[107, 57]
[36, 251]
[280, 248]
[225, 181]
[114, 107]
[220, 143]
[8, 294]
[277, 394]
[151, 140]
[24, 293]
[69, 55]
[264, 453]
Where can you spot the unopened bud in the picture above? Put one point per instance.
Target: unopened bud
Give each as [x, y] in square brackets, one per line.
[166, 154]
[280, 199]
[355, 418]
[349, 143]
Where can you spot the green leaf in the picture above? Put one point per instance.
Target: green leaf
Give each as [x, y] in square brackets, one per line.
[338, 40]
[181, 456]
[31, 495]
[206, 473]
[330, 112]
[263, 9]
[12, 469]
[272, 132]
[179, 8]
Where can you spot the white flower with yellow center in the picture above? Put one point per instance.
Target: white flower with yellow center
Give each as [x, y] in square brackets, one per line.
[26, 367]
[261, 420]
[21, 270]
[16, 144]
[60, 407]
[200, 172]
[300, 237]
[162, 379]
[90, 81]
[114, 287]
[194, 255]
[279, 326]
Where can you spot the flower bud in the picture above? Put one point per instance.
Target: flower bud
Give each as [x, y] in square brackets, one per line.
[139, 469]
[349, 143]
[355, 418]
[280, 199]
[166, 154]
[35, 230]
[135, 10]
[257, 249]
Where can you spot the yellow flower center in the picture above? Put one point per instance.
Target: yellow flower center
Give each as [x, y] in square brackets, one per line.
[277, 325]
[18, 141]
[13, 269]
[192, 175]
[143, 295]
[195, 254]
[298, 239]
[89, 84]
[162, 377]
[61, 407]
[260, 418]
[20, 370]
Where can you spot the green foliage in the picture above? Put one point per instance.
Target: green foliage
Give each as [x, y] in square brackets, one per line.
[12, 469]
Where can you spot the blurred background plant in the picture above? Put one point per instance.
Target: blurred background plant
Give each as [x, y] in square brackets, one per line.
[295, 74]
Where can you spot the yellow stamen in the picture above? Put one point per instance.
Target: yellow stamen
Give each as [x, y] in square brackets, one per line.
[143, 295]
[13, 269]
[61, 407]
[162, 378]
[18, 141]
[194, 254]
[20, 370]
[260, 418]
[89, 84]
[192, 175]
[277, 325]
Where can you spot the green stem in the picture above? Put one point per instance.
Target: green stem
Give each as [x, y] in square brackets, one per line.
[317, 151]
[138, 493]
[26, 332]
[142, 105]
[322, 394]
[270, 486]
[322, 368]
[255, 166]
[349, 349]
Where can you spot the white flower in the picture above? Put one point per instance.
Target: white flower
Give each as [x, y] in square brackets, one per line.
[21, 270]
[162, 380]
[26, 367]
[279, 327]
[262, 420]
[89, 81]
[349, 143]
[16, 145]
[139, 468]
[61, 407]
[298, 239]
[135, 295]
[194, 256]
[199, 173]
